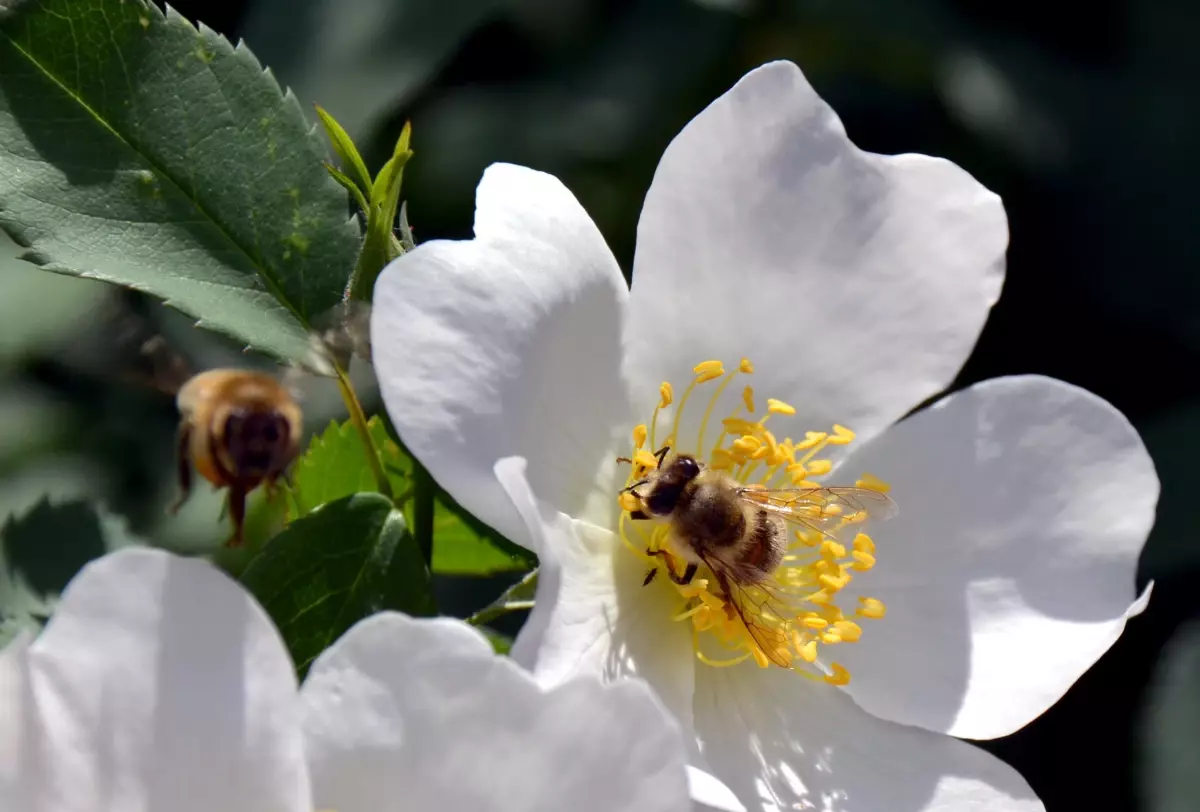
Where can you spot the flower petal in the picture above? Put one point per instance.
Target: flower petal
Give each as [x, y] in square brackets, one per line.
[424, 711]
[158, 684]
[508, 344]
[857, 283]
[782, 742]
[1024, 503]
[591, 614]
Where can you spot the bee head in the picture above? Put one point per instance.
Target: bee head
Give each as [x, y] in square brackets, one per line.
[670, 482]
[258, 443]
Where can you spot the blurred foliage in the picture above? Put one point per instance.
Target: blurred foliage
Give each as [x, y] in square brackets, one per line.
[33, 573]
[1083, 118]
[1170, 738]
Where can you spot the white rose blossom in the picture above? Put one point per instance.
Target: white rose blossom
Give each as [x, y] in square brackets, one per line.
[848, 287]
[160, 685]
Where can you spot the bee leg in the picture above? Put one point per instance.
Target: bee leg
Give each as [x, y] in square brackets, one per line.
[629, 488]
[686, 578]
[638, 516]
[185, 468]
[624, 459]
[661, 454]
[650, 576]
[237, 511]
[683, 580]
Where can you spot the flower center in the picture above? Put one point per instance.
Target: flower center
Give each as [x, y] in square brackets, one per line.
[755, 546]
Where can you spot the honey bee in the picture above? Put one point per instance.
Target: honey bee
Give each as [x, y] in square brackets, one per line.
[739, 532]
[239, 429]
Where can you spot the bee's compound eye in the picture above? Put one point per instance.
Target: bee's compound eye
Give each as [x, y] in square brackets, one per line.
[688, 467]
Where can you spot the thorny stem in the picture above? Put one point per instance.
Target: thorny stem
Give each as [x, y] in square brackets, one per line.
[506, 603]
[360, 423]
[423, 490]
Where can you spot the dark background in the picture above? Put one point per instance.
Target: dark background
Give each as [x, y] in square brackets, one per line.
[1085, 118]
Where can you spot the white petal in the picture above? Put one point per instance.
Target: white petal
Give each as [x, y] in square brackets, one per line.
[591, 614]
[423, 711]
[158, 684]
[856, 283]
[782, 742]
[508, 344]
[1024, 503]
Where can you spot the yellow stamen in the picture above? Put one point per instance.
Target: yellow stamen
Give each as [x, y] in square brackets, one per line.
[784, 620]
[871, 608]
[840, 675]
[645, 459]
[874, 483]
[841, 435]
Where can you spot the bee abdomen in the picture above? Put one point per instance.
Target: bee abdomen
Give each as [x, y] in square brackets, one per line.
[765, 546]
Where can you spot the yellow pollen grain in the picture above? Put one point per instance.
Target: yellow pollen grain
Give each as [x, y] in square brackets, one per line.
[721, 460]
[746, 444]
[748, 399]
[639, 435]
[863, 561]
[645, 459]
[831, 638]
[814, 622]
[819, 467]
[746, 367]
[708, 370]
[841, 435]
[779, 407]
[666, 394]
[629, 502]
[872, 608]
[849, 630]
[863, 543]
[808, 652]
[873, 483]
[840, 675]
[811, 439]
[831, 582]
[833, 549]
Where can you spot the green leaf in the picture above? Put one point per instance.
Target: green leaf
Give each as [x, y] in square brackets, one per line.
[380, 245]
[350, 186]
[42, 550]
[339, 564]
[139, 150]
[335, 465]
[343, 145]
[463, 545]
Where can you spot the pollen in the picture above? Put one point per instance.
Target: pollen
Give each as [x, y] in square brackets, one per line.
[793, 617]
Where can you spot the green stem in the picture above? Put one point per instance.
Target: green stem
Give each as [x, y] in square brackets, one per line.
[517, 597]
[359, 418]
[423, 491]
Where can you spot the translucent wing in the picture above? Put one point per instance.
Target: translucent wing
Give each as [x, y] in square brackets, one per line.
[826, 511]
[767, 624]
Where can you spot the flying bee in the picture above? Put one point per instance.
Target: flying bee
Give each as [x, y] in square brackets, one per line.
[739, 532]
[239, 429]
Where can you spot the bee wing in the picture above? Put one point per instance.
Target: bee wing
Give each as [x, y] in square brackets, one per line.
[823, 510]
[738, 595]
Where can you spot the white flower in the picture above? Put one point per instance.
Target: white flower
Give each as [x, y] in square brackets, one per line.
[517, 365]
[161, 686]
